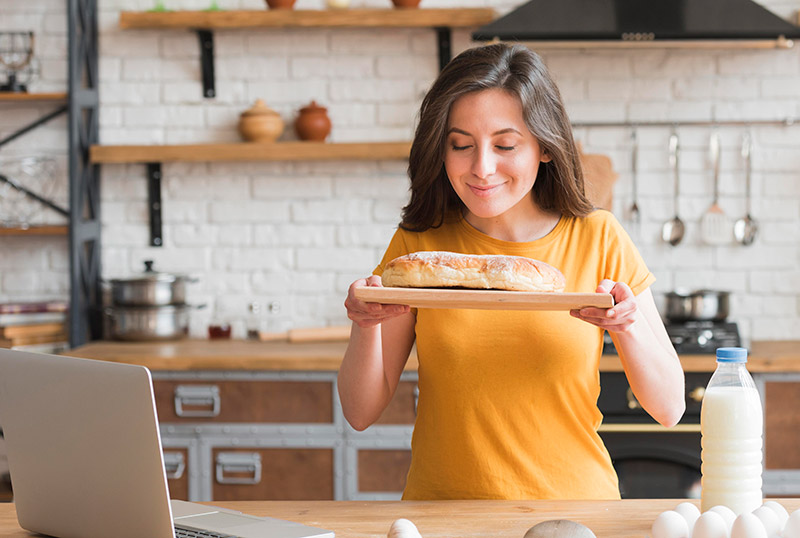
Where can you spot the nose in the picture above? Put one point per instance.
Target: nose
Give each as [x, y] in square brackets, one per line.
[484, 163]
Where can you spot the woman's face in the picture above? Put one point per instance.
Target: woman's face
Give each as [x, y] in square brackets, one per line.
[491, 157]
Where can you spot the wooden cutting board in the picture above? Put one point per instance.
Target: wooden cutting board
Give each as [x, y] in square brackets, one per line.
[482, 299]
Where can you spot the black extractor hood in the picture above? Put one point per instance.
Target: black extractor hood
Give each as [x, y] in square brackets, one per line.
[641, 22]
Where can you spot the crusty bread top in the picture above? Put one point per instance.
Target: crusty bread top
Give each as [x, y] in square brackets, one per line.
[434, 269]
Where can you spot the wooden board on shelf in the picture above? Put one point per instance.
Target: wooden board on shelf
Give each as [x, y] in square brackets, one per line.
[13, 96]
[482, 299]
[249, 151]
[35, 230]
[285, 18]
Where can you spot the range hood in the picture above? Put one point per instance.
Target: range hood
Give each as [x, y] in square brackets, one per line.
[656, 23]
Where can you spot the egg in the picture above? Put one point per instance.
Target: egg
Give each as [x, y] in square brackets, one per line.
[792, 527]
[779, 510]
[690, 513]
[403, 528]
[670, 524]
[710, 525]
[726, 513]
[748, 526]
[769, 518]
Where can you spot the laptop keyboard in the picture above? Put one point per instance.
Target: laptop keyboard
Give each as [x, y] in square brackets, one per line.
[183, 532]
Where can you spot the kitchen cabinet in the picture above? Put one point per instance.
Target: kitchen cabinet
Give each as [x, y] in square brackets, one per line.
[260, 435]
[780, 394]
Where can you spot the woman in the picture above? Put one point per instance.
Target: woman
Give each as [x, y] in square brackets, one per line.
[508, 400]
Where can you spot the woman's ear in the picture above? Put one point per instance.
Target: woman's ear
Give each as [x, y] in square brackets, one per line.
[545, 158]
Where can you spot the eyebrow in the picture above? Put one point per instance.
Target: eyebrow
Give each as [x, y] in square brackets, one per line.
[501, 131]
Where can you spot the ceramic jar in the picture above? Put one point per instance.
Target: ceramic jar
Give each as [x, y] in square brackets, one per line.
[280, 4]
[312, 123]
[260, 123]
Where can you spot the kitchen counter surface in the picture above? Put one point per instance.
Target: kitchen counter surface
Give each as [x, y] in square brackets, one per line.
[450, 519]
[777, 356]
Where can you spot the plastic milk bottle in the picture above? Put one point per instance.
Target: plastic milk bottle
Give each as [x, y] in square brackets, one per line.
[731, 422]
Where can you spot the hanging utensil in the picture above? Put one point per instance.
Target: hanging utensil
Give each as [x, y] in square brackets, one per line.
[745, 229]
[673, 230]
[634, 215]
[714, 225]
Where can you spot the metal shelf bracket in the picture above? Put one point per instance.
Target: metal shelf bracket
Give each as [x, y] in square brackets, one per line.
[154, 203]
[444, 40]
[206, 38]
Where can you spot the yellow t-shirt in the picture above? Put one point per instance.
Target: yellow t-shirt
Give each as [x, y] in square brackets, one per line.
[507, 399]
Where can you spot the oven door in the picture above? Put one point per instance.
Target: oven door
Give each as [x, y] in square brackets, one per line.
[653, 462]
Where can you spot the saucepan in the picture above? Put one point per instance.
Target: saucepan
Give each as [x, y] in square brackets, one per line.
[149, 323]
[151, 288]
[699, 305]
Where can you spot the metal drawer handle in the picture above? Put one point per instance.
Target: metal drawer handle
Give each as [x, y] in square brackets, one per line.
[633, 403]
[416, 398]
[238, 462]
[174, 464]
[195, 396]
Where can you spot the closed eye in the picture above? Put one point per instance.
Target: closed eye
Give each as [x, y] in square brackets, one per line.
[460, 148]
[506, 148]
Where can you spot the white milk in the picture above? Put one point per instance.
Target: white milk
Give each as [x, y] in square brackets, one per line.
[731, 423]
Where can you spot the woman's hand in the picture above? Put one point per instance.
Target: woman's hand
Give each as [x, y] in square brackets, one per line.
[620, 317]
[370, 314]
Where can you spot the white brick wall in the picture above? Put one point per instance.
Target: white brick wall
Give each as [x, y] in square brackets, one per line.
[301, 232]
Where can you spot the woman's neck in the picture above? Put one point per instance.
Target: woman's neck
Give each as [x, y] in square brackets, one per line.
[517, 225]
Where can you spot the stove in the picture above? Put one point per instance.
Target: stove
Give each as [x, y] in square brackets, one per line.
[695, 337]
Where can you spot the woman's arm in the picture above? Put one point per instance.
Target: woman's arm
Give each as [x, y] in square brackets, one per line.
[380, 342]
[648, 357]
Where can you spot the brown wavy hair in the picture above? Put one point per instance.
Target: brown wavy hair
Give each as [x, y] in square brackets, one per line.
[559, 183]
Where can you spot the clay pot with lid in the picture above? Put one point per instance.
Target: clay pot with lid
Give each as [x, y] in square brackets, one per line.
[313, 123]
[260, 123]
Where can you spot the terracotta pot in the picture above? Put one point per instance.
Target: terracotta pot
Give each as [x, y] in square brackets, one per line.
[313, 123]
[260, 123]
[280, 4]
[405, 4]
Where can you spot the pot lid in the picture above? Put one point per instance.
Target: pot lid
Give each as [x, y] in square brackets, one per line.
[260, 108]
[313, 107]
[151, 275]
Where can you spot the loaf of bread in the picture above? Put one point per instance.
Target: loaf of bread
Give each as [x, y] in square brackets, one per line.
[434, 269]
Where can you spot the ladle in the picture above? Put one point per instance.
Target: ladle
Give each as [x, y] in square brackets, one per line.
[673, 230]
[559, 528]
[745, 229]
[634, 211]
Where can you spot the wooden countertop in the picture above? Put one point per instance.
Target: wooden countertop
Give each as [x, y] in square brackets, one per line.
[777, 356]
[447, 519]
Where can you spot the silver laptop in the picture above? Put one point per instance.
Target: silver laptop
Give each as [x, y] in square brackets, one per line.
[85, 457]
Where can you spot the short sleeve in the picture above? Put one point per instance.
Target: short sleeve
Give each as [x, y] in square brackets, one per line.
[624, 263]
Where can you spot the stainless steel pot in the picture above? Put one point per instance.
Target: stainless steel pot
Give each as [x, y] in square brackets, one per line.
[152, 288]
[700, 305]
[148, 323]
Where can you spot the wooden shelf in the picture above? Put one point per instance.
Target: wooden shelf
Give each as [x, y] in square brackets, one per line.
[289, 18]
[9, 96]
[248, 151]
[35, 230]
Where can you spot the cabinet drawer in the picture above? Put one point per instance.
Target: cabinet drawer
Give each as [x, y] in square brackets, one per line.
[781, 425]
[402, 409]
[381, 470]
[176, 463]
[272, 474]
[244, 401]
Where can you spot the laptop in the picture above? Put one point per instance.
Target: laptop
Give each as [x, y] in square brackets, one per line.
[84, 451]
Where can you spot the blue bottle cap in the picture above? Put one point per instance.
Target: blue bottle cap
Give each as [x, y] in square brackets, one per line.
[731, 354]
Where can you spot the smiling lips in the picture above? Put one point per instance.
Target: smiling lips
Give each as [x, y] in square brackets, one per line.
[484, 191]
